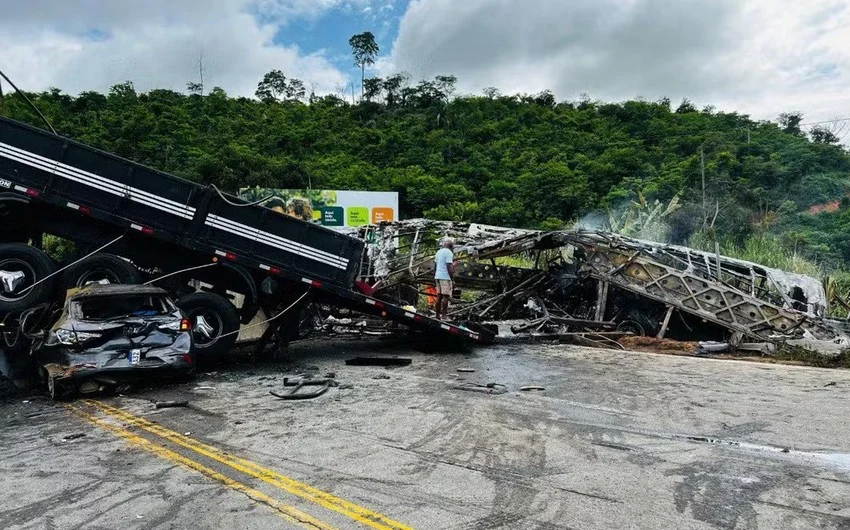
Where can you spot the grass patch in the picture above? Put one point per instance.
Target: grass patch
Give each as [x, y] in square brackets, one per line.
[797, 354]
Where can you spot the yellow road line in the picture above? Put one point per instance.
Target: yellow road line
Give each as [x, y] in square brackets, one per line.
[322, 498]
[289, 513]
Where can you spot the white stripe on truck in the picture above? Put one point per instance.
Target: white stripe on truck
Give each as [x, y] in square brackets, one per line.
[167, 205]
[253, 234]
[96, 181]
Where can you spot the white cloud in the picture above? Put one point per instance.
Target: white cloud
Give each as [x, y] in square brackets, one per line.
[286, 10]
[760, 57]
[92, 44]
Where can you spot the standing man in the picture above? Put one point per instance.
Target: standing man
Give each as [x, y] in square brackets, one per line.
[443, 276]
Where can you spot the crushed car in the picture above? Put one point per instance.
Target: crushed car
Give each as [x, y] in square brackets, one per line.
[108, 335]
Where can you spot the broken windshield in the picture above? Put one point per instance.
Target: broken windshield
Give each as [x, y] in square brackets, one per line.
[116, 307]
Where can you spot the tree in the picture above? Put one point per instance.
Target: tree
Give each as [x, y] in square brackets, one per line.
[502, 159]
[830, 132]
[275, 86]
[685, 107]
[790, 122]
[491, 92]
[364, 49]
[446, 84]
[271, 87]
[823, 135]
[194, 88]
[393, 86]
[295, 90]
[372, 88]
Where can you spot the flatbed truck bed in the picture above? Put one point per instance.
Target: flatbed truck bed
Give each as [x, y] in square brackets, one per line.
[53, 185]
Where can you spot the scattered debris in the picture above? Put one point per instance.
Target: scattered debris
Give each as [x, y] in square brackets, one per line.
[489, 388]
[653, 344]
[529, 388]
[831, 383]
[379, 361]
[170, 404]
[381, 376]
[295, 386]
[73, 436]
[713, 347]
[599, 288]
[466, 370]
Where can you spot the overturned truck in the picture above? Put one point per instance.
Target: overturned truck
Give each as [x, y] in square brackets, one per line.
[602, 283]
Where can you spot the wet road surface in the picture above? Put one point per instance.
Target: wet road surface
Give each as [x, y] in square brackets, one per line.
[616, 439]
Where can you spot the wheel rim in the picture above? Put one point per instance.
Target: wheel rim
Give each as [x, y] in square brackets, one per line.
[207, 327]
[10, 338]
[13, 265]
[631, 326]
[101, 275]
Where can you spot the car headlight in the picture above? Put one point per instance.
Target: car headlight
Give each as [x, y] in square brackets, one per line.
[70, 337]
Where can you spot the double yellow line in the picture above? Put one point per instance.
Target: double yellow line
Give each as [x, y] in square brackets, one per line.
[273, 478]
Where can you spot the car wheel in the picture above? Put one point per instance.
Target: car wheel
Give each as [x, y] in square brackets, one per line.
[21, 267]
[59, 389]
[214, 323]
[103, 269]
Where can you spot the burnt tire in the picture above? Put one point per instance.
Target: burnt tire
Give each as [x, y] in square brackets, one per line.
[219, 318]
[35, 266]
[631, 326]
[639, 323]
[101, 268]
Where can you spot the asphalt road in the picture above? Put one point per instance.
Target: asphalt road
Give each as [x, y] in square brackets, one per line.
[616, 440]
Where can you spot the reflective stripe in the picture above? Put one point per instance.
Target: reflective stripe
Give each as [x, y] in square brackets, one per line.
[276, 240]
[101, 183]
[253, 234]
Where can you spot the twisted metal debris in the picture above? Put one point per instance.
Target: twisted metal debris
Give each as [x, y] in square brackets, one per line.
[602, 283]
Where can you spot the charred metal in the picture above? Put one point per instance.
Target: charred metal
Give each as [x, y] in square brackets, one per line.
[602, 285]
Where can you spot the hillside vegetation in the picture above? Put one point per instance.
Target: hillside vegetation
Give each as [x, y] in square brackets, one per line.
[524, 161]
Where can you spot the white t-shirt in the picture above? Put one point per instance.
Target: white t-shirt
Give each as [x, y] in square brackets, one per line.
[443, 258]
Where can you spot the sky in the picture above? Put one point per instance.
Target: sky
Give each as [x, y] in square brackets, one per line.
[756, 57]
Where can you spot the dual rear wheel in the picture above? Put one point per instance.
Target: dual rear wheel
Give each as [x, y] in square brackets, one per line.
[27, 279]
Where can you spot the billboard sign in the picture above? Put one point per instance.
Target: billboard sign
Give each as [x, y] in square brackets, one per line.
[331, 208]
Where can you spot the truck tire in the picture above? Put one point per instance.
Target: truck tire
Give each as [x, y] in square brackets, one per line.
[219, 317]
[101, 268]
[639, 323]
[35, 265]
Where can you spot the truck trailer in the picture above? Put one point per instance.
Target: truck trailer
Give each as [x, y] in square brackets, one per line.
[145, 224]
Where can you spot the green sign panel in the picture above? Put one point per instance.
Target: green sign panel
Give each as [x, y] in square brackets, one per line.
[358, 216]
[333, 216]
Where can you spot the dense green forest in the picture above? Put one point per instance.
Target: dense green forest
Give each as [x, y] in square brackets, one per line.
[515, 160]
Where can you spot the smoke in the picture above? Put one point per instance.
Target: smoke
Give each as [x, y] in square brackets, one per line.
[641, 219]
[595, 220]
